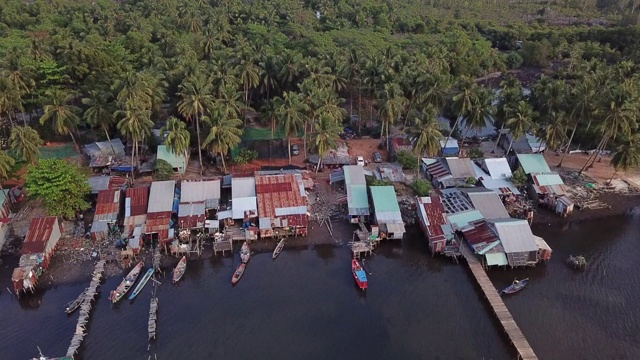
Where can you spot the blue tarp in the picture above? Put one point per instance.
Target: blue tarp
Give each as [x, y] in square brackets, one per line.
[123, 168]
[362, 276]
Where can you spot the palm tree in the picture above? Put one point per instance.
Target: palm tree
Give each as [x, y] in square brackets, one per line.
[556, 131]
[224, 133]
[326, 132]
[26, 142]
[510, 95]
[291, 114]
[196, 97]
[6, 166]
[9, 99]
[100, 112]
[59, 110]
[463, 101]
[582, 98]
[392, 104]
[627, 156]
[427, 131]
[269, 113]
[519, 121]
[136, 124]
[481, 110]
[249, 74]
[178, 137]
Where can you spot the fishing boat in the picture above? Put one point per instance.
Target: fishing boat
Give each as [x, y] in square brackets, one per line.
[359, 274]
[126, 284]
[278, 249]
[577, 261]
[42, 357]
[75, 304]
[245, 252]
[238, 274]
[180, 269]
[516, 286]
[141, 284]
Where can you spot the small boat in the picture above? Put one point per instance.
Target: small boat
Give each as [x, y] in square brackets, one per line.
[245, 252]
[359, 274]
[577, 261]
[180, 269]
[278, 248]
[516, 286]
[238, 274]
[126, 284]
[75, 304]
[42, 357]
[141, 284]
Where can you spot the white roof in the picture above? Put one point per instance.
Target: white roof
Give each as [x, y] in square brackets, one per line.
[498, 168]
[497, 184]
[451, 143]
[515, 235]
[240, 205]
[196, 191]
[161, 196]
[243, 187]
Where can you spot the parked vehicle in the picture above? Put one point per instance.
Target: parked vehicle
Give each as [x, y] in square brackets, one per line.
[295, 149]
[377, 157]
[360, 161]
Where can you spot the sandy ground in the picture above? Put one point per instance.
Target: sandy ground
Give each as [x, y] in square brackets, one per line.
[601, 170]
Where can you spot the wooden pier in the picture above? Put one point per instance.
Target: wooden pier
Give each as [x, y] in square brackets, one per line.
[525, 352]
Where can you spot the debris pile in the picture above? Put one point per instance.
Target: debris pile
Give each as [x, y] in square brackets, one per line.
[408, 211]
[153, 316]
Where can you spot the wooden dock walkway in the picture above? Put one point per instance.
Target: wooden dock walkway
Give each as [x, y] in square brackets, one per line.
[514, 333]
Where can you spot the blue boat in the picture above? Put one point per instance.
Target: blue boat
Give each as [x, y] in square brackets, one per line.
[141, 284]
[516, 286]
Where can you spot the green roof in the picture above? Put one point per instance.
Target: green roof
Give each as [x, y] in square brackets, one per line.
[384, 198]
[463, 219]
[533, 163]
[499, 259]
[176, 161]
[357, 196]
[548, 179]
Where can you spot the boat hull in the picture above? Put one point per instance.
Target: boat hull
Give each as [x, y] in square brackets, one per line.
[141, 284]
[359, 275]
[278, 249]
[514, 288]
[238, 274]
[180, 269]
[126, 284]
[245, 253]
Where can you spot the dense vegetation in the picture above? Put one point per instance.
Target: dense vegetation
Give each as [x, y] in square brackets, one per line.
[301, 67]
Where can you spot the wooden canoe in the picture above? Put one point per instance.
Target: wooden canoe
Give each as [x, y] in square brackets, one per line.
[238, 274]
[75, 304]
[141, 284]
[126, 284]
[245, 253]
[178, 272]
[278, 248]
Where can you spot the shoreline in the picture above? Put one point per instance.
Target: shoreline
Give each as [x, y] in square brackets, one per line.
[619, 204]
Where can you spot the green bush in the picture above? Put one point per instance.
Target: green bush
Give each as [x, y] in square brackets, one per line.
[513, 60]
[407, 160]
[246, 156]
[476, 153]
[164, 171]
[421, 187]
[519, 178]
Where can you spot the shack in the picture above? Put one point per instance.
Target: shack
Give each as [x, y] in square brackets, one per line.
[449, 147]
[387, 212]
[244, 204]
[357, 199]
[106, 214]
[161, 199]
[37, 250]
[487, 202]
[549, 191]
[103, 154]
[544, 250]
[525, 144]
[434, 225]
[282, 205]
[135, 209]
[438, 173]
[517, 240]
[461, 168]
[99, 183]
[497, 168]
[177, 161]
[196, 198]
[485, 243]
[533, 163]
[397, 145]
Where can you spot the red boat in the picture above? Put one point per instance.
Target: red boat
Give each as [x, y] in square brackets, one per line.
[238, 274]
[359, 274]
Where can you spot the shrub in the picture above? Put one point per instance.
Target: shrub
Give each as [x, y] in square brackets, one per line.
[476, 153]
[408, 160]
[519, 178]
[513, 60]
[164, 171]
[421, 187]
[246, 156]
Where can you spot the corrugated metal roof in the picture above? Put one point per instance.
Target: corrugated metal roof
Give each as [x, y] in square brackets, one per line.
[191, 215]
[498, 258]
[557, 190]
[454, 201]
[498, 168]
[389, 172]
[515, 235]
[357, 200]
[98, 183]
[463, 219]
[451, 143]
[541, 243]
[479, 235]
[478, 170]
[107, 206]
[137, 200]
[161, 196]
[102, 148]
[395, 228]
[437, 170]
[241, 205]
[176, 161]
[432, 213]
[354, 175]
[489, 204]
[533, 163]
[280, 194]
[99, 227]
[39, 234]
[385, 204]
[158, 222]
[243, 187]
[199, 190]
[547, 179]
[460, 167]
[500, 186]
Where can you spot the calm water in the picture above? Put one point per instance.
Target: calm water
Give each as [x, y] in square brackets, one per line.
[306, 304]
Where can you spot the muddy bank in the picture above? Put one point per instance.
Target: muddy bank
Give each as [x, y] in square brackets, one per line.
[620, 204]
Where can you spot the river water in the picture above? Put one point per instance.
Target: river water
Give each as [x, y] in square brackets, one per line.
[306, 305]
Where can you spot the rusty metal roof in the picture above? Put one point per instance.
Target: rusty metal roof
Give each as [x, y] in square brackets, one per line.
[432, 211]
[107, 205]
[158, 222]
[191, 215]
[280, 195]
[39, 234]
[136, 201]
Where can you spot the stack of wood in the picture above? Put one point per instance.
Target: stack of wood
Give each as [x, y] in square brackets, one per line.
[153, 316]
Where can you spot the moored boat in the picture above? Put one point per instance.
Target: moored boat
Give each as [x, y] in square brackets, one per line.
[516, 286]
[75, 304]
[278, 248]
[126, 284]
[141, 284]
[180, 269]
[245, 253]
[238, 274]
[577, 261]
[358, 274]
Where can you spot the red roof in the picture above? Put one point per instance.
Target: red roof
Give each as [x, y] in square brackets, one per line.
[277, 192]
[437, 170]
[480, 233]
[435, 214]
[117, 182]
[139, 199]
[157, 222]
[108, 202]
[39, 234]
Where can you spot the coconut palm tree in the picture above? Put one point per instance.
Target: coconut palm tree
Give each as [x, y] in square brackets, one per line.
[627, 156]
[427, 131]
[269, 113]
[463, 101]
[6, 165]
[326, 132]
[249, 74]
[510, 95]
[9, 99]
[481, 110]
[519, 121]
[224, 133]
[178, 137]
[583, 100]
[556, 131]
[291, 114]
[62, 114]
[26, 143]
[392, 104]
[196, 96]
[100, 112]
[136, 124]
